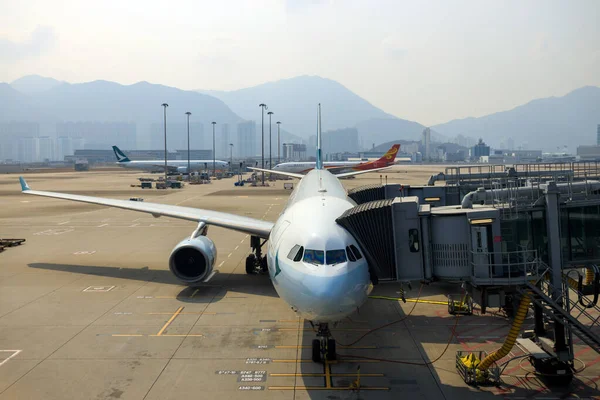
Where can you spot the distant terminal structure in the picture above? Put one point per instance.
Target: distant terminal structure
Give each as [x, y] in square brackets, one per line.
[108, 156]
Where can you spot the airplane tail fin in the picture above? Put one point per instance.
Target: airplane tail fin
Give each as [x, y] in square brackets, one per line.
[319, 163]
[121, 157]
[390, 156]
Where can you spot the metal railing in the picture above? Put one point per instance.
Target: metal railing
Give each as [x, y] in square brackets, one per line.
[504, 268]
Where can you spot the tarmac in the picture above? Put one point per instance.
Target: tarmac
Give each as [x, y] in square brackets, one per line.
[90, 310]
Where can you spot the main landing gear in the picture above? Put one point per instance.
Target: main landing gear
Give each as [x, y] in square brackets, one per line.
[256, 263]
[324, 347]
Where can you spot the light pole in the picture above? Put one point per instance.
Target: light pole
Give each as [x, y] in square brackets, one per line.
[165, 105]
[230, 156]
[270, 113]
[214, 161]
[262, 124]
[278, 144]
[189, 164]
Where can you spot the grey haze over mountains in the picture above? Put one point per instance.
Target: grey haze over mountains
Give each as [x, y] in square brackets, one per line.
[547, 124]
[294, 102]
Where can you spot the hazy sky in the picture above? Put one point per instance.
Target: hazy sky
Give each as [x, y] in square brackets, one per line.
[428, 61]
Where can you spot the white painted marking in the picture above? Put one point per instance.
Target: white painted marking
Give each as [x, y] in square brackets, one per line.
[100, 226]
[25, 201]
[237, 247]
[84, 253]
[229, 255]
[63, 223]
[222, 262]
[98, 288]
[53, 232]
[15, 352]
[134, 225]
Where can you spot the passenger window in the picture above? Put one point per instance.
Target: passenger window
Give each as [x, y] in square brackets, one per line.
[350, 254]
[356, 252]
[335, 256]
[413, 240]
[295, 253]
[316, 257]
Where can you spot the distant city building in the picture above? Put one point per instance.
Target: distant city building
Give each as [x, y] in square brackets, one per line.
[480, 150]
[426, 142]
[10, 133]
[46, 148]
[222, 141]
[457, 156]
[29, 149]
[294, 151]
[176, 136]
[410, 148]
[97, 135]
[588, 153]
[64, 147]
[598, 135]
[247, 144]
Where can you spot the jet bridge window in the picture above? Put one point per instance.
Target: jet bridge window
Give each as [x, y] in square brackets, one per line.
[355, 251]
[316, 257]
[335, 256]
[296, 252]
[413, 240]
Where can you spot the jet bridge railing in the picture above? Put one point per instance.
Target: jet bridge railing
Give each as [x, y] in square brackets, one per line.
[504, 268]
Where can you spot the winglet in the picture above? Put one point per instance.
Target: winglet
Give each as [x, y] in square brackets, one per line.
[24, 186]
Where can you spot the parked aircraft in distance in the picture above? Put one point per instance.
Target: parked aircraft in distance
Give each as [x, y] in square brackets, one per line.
[173, 165]
[338, 166]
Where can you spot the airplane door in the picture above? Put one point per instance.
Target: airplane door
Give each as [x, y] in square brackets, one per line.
[480, 245]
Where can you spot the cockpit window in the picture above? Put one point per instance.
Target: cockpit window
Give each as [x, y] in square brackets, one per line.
[350, 254]
[336, 256]
[295, 253]
[355, 251]
[316, 257]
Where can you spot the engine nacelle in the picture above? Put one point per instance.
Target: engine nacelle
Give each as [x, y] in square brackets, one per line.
[192, 260]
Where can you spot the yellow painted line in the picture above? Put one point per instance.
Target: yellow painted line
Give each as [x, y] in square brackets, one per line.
[195, 291]
[169, 321]
[337, 330]
[443, 303]
[325, 388]
[167, 335]
[125, 335]
[318, 375]
[288, 320]
[327, 374]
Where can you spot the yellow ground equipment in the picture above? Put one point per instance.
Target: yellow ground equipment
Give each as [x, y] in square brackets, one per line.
[460, 304]
[467, 365]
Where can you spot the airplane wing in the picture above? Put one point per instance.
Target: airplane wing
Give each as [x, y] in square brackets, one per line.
[347, 174]
[271, 171]
[235, 222]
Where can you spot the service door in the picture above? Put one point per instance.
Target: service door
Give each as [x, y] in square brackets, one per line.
[481, 257]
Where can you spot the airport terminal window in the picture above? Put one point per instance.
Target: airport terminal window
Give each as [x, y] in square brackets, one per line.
[295, 253]
[335, 256]
[355, 252]
[316, 257]
[413, 240]
[351, 256]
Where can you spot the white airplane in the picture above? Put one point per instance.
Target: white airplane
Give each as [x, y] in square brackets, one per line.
[315, 265]
[341, 166]
[173, 165]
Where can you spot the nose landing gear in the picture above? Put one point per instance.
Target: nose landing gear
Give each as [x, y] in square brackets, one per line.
[256, 263]
[323, 348]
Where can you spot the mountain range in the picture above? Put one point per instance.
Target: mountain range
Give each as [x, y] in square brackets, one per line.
[547, 123]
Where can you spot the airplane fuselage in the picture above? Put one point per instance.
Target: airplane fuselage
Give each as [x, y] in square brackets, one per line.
[324, 286]
[301, 167]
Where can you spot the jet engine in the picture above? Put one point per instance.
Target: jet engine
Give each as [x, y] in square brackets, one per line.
[192, 260]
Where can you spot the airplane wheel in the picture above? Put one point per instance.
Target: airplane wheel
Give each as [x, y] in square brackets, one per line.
[250, 264]
[316, 350]
[331, 354]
